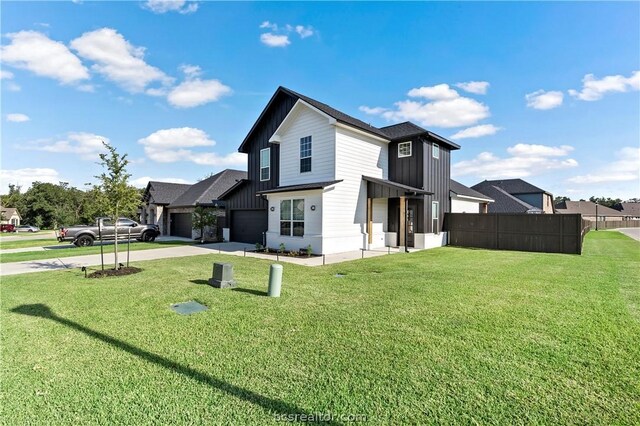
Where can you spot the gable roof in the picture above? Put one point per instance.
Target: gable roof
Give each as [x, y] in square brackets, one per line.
[459, 189]
[503, 202]
[515, 186]
[209, 189]
[8, 212]
[586, 208]
[628, 209]
[408, 130]
[401, 129]
[163, 192]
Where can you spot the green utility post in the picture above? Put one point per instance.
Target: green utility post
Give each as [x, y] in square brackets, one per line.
[275, 280]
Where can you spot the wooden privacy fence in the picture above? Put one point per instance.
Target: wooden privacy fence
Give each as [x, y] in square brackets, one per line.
[614, 224]
[548, 233]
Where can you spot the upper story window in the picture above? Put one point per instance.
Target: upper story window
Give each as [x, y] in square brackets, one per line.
[265, 164]
[435, 150]
[404, 149]
[305, 154]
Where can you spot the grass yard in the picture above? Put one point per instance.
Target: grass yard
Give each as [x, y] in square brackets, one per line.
[447, 335]
[80, 251]
[27, 242]
[43, 232]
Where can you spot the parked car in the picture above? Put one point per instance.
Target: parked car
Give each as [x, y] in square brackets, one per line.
[83, 235]
[8, 227]
[27, 228]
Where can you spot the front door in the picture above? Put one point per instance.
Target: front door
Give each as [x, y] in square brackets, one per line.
[410, 227]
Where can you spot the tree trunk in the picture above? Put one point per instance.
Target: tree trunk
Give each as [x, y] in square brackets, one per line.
[115, 233]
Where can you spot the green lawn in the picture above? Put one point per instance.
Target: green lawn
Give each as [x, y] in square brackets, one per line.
[26, 234]
[80, 251]
[26, 243]
[447, 335]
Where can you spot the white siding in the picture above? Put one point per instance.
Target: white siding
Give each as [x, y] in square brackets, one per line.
[464, 206]
[345, 207]
[307, 122]
[312, 221]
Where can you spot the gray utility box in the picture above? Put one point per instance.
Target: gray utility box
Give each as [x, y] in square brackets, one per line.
[222, 276]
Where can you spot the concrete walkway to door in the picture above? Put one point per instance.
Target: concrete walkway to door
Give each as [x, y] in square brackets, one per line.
[229, 248]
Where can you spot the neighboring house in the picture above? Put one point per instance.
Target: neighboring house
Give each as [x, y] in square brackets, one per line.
[157, 196]
[318, 177]
[205, 193]
[10, 215]
[515, 196]
[171, 205]
[588, 210]
[467, 200]
[629, 210]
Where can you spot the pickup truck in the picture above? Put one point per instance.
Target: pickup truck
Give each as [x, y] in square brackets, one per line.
[84, 236]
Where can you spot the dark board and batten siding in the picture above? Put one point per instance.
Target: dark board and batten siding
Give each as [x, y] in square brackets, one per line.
[548, 233]
[437, 172]
[407, 170]
[245, 196]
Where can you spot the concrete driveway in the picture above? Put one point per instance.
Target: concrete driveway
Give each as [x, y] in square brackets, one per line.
[631, 232]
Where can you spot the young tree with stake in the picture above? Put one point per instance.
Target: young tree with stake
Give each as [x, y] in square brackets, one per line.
[114, 183]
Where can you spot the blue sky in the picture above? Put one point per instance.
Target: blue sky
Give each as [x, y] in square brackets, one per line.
[554, 97]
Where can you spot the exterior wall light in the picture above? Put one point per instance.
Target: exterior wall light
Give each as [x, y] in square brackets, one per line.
[273, 209]
[313, 208]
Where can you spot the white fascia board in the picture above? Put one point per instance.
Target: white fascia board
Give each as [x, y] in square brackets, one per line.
[466, 197]
[276, 137]
[361, 132]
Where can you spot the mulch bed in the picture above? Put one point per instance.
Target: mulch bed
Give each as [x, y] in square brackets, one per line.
[114, 272]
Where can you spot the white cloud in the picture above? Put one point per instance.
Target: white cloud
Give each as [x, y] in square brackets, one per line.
[39, 54]
[88, 88]
[437, 92]
[142, 182]
[477, 87]
[477, 131]
[85, 145]
[541, 99]
[533, 150]
[164, 6]
[118, 60]
[194, 92]
[269, 25]
[373, 111]
[274, 40]
[445, 109]
[593, 89]
[25, 177]
[17, 118]
[525, 160]
[170, 146]
[303, 31]
[279, 36]
[6, 75]
[625, 168]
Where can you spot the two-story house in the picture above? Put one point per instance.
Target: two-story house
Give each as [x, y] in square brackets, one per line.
[319, 177]
[515, 196]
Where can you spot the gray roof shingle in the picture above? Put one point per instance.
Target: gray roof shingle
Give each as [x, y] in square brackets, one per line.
[459, 189]
[586, 208]
[503, 202]
[515, 186]
[164, 192]
[209, 189]
[628, 209]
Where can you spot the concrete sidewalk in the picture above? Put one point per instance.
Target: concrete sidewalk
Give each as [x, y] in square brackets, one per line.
[630, 232]
[236, 249]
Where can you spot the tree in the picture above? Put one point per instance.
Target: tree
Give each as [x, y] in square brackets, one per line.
[119, 196]
[560, 199]
[203, 217]
[608, 202]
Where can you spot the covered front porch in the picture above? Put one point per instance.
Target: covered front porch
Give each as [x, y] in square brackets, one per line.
[403, 210]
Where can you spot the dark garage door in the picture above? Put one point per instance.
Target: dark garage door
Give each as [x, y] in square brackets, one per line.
[181, 224]
[247, 226]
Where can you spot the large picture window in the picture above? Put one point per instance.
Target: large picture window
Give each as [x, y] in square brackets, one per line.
[265, 164]
[404, 149]
[305, 154]
[292, 218]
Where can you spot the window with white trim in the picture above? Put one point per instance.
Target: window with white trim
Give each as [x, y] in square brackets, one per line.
[292, 218]
[404, 149]
[265, 164]
[305, 154]
[435, 216]
[435, 150]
